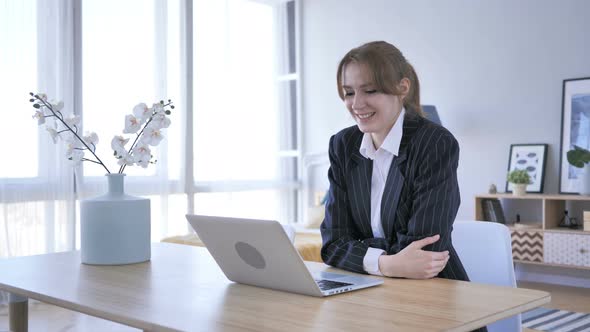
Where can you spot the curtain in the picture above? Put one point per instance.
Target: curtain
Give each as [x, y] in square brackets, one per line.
[101, 58]
[37, 207]
[42, 52]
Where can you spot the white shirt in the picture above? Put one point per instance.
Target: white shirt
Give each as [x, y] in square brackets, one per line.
[382, 159]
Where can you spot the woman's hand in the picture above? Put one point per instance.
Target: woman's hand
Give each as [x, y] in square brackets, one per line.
[413, 262]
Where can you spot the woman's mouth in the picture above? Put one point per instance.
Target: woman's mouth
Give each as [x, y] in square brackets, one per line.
[365, 116]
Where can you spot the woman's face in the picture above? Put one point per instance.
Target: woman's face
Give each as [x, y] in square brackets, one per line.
[374, 111]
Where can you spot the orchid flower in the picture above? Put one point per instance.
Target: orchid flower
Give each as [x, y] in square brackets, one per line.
[142, 154]
[118, 144]
[125, 159]
[152, 136]
[65, 128]
[132, 124]
[142, 112]
[91, 139]
[53, 133]
[57, 105]
[159, 121]
[40, 117]
[72, 120]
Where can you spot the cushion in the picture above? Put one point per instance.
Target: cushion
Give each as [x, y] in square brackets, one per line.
[308, 244]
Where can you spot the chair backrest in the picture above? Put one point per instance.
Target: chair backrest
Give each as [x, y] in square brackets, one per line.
[486, 253]
[431, 113]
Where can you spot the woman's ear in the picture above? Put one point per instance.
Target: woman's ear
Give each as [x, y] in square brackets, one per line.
[404, 87]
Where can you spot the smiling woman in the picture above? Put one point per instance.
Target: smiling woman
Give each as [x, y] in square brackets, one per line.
[393, 176]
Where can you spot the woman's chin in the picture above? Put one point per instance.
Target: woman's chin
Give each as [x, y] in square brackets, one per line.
[364, 128]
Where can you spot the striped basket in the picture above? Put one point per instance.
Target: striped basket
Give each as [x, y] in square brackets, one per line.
[527, 245]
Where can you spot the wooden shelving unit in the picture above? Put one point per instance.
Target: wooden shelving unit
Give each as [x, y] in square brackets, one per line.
[541, 241]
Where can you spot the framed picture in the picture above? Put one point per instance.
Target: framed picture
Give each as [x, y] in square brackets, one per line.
[532, 158]
[575, 130]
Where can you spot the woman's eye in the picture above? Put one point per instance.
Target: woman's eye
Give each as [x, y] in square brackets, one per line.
[348, 93]
[370, 91]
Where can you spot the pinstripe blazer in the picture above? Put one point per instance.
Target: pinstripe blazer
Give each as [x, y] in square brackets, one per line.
[420, 199]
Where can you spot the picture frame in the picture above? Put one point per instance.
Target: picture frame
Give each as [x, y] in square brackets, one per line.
[531, 157]
[575, 130]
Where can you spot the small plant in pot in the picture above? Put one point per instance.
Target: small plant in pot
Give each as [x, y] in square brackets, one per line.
[519, 178]
[580, 158]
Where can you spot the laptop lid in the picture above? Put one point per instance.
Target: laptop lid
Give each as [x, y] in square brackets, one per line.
[259, 253]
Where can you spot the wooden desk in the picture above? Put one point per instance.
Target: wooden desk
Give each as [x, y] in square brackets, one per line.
[183, 289]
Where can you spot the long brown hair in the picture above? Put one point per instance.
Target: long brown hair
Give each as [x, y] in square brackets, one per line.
[388, 66]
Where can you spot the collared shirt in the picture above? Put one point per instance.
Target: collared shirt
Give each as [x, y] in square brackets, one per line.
[382, 159]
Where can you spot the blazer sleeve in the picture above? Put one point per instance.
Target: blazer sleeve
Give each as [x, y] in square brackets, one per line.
[342, 246]
[435, 192]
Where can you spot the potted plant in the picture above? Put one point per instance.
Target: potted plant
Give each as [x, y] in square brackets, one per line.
[580, 158]
[520, 178]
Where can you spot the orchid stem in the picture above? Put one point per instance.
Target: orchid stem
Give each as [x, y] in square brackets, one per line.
[73, 132]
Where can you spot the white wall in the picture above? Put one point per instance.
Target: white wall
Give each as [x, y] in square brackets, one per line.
[493, 68]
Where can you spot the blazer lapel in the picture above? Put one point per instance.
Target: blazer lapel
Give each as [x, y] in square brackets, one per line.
[396, 177]
[361, 170]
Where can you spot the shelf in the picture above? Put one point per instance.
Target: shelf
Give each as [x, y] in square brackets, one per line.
[539, 232]
[567, 230]
[518, 261]
[537, 196]
[528, 227]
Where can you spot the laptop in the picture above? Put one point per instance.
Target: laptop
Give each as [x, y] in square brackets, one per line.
[259, 253]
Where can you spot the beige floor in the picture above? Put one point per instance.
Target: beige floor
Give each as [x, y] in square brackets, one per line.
[44, 317]
[563, 297]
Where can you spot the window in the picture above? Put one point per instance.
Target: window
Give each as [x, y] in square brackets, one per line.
[245, 111]
[18, 65]
[104, 57]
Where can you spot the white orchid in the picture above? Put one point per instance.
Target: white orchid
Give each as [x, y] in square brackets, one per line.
[132, 124]
[159, 121]
[152, 136]
[76, 156]
[65, 128]
[125, 159]
[53, 133]
[40, 117]
[142, 154]
[57, 105]
[91, 139]
[142, 112]
[118, 144]
[72, 121]
[74, 150]
[157, 108]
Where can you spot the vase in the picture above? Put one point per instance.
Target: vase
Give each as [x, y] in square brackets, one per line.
[585, 183]
[519, 189]
[115, 227]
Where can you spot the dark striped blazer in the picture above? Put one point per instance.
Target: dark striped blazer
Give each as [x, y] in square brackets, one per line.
[421, 196]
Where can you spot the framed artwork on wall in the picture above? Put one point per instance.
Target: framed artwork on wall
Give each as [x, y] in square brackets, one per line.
[575, 130]
[532, 158]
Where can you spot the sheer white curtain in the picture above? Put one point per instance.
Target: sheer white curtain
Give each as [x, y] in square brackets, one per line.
[243, 121]
[102, 58]
[134, 58]
[37, 209]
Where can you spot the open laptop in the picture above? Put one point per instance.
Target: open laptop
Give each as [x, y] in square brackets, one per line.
[259, 253]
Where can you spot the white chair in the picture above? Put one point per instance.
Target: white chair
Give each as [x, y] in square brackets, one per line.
[486, 253]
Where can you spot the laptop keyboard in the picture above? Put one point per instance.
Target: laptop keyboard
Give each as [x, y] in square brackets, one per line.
[329, 284]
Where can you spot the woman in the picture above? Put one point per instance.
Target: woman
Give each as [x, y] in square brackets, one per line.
[393, 177]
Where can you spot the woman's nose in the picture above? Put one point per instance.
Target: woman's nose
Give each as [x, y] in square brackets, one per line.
[358, 102]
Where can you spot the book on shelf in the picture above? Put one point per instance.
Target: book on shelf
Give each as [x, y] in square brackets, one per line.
[492, 210]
